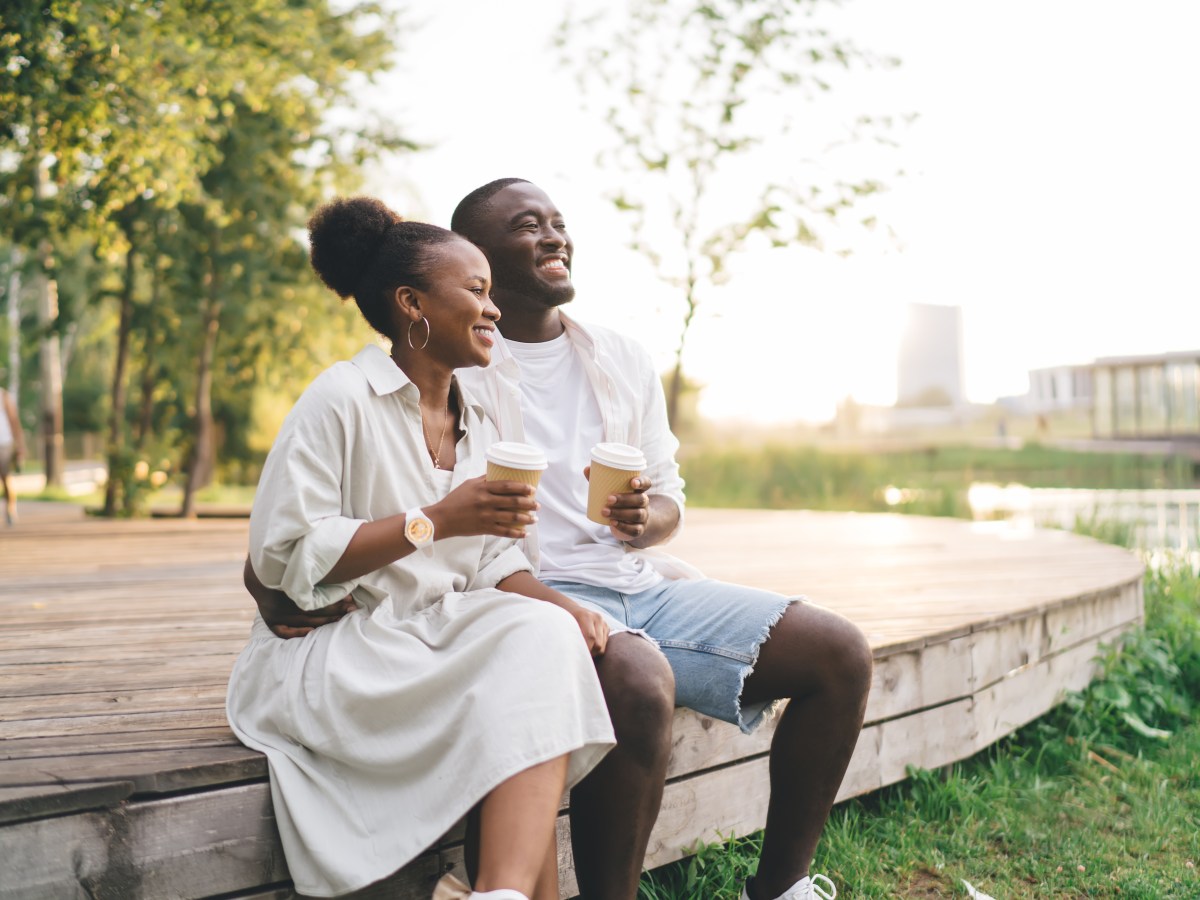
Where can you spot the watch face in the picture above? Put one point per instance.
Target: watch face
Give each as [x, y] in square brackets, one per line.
[419, 531]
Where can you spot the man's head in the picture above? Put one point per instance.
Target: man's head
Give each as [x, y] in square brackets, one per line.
[525, 239]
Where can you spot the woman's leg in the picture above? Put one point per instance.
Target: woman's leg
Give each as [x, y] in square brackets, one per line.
[516, 828]
[547, 884]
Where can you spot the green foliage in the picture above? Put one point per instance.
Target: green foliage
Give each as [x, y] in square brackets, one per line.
[1088, 801]
[165, 156]
[713, 870]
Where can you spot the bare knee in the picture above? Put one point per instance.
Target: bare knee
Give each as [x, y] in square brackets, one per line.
[811, 651]
[851, 658]
[639, 688]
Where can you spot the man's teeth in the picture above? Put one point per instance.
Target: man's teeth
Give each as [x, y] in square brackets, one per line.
[554, 264]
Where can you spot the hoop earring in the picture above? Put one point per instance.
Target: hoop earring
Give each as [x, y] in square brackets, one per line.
[410, 328]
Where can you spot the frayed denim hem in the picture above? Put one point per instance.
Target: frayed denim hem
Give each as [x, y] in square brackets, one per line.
[751, 717]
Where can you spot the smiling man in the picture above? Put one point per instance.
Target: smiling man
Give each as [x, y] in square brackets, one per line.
[732, 651]
[724, 650]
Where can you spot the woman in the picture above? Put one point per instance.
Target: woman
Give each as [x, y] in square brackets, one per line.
[460, 684]
[12, 450]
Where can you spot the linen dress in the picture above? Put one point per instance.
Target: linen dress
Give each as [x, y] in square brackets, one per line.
[383, 729]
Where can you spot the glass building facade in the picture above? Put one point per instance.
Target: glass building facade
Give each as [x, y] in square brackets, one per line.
[1147, 396]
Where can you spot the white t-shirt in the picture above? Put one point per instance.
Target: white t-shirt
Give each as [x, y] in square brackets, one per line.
[562, 417]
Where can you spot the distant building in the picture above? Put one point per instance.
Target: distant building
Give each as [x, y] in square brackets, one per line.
[1154, 396]
[930, 371]
[1059, 389]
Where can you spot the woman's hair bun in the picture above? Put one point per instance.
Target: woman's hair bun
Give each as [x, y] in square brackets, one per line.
[344, 237]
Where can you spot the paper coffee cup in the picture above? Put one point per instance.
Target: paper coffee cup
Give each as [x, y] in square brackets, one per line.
[613, 467]
[510, 461]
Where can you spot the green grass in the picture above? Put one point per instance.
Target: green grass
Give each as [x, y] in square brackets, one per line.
[1099, 798]
[786, 476]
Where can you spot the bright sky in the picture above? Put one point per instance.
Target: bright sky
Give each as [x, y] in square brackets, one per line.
[1053, 191]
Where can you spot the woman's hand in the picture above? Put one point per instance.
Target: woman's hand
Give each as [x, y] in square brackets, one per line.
[593, 627]
[479, 506]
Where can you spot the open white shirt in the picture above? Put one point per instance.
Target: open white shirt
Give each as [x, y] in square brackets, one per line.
[621, 380]
[562, 416]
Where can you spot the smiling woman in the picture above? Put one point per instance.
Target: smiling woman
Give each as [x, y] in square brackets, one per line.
[374, 491]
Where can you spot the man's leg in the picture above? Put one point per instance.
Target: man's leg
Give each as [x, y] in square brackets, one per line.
[822, 664]
[614, 808]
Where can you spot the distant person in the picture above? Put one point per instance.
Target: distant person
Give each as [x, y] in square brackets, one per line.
[459, 684]
[12, 452]
[724, 650]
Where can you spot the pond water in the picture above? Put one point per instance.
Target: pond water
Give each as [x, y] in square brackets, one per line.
[1155, 519]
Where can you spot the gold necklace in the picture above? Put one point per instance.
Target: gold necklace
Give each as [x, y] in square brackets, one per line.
[437, 462]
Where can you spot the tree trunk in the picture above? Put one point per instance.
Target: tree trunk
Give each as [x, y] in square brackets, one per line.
[675, 390]
[149, 362]
[200, 468]
[51, 418]
[116, 415]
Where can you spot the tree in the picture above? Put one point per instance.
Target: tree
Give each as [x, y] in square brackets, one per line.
[185, 142]
[98, 115]
[702, 97]
[275, 158]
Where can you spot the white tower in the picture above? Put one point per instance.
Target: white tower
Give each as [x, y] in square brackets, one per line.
[931, 357]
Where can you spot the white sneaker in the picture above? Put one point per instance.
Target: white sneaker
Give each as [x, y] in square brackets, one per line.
[806, 888]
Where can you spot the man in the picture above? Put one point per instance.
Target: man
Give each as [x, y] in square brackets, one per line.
[724, 650]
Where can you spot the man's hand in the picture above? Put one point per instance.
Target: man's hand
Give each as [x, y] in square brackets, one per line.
[284, 617]
[628, 512]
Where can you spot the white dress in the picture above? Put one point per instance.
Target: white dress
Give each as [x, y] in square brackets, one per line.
[383, 729]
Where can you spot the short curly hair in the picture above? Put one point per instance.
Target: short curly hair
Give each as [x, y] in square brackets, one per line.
[362, 249]
[467, 214]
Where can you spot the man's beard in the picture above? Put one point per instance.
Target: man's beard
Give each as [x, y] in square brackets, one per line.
[531, 287]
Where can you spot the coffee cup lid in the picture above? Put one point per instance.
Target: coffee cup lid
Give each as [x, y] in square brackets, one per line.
[619, 456]
[516, 456]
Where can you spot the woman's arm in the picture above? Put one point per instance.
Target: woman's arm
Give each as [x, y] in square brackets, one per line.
[477, 506]
[592, 625]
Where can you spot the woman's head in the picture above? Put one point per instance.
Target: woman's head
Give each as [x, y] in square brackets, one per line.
[401, 272]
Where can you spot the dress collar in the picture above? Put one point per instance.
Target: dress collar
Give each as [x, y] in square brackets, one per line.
[385, 377]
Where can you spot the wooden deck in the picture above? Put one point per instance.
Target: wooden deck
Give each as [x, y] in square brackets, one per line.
[120, 779]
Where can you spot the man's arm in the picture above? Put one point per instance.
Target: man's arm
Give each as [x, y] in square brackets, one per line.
[285, 618]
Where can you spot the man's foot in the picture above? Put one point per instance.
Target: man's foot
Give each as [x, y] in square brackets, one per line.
[806, 888]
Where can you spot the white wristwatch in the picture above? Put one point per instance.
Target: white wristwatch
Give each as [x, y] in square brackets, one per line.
[418, 528]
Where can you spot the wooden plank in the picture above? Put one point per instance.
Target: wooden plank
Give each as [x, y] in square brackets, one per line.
[920, 678]
[39, 801]
[149, 771]
[58, 857]
[177, 847]
[29, 748]
[1023, 696]
[87, 703]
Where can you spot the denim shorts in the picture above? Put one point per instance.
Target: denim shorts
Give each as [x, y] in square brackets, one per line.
[710, 632]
